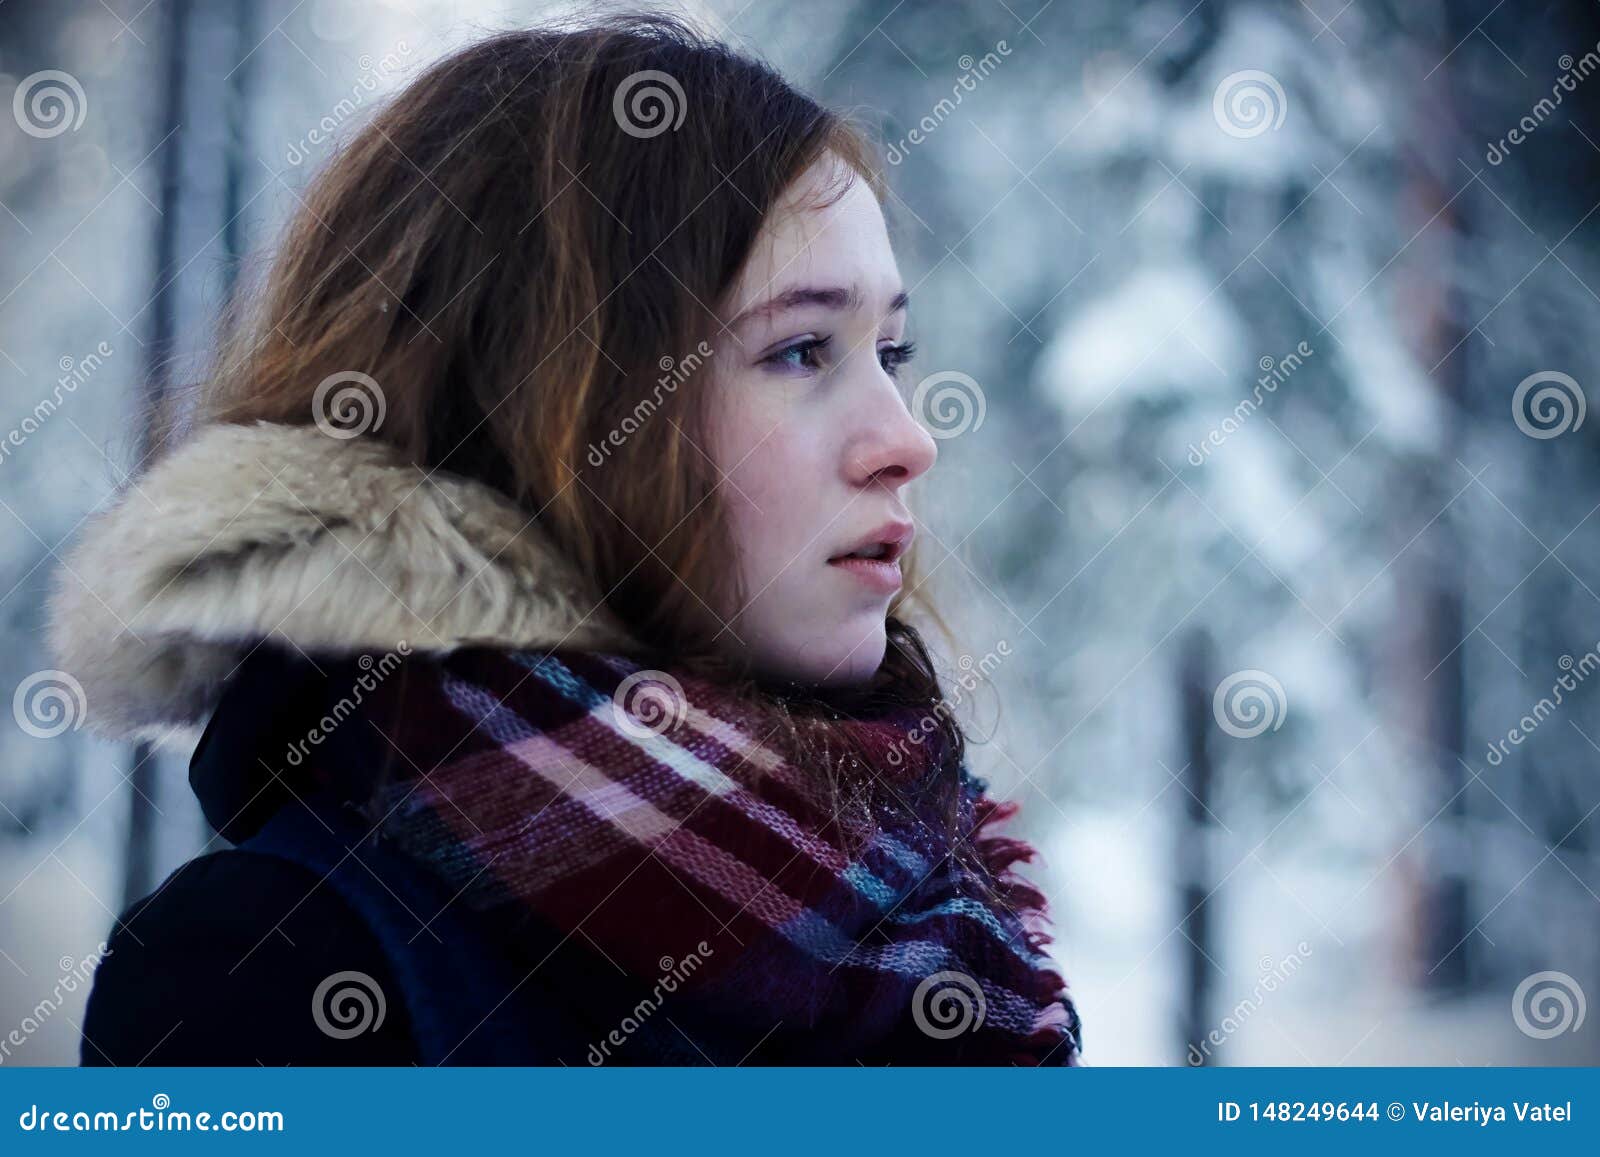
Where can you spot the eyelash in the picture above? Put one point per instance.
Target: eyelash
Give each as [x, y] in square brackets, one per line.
[896, 355]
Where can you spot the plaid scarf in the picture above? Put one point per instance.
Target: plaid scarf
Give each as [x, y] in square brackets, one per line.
[573, 796]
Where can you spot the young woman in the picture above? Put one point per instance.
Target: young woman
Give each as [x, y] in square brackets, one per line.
[536, 561]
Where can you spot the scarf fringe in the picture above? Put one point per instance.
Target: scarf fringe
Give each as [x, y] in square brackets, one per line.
[1057, 1026]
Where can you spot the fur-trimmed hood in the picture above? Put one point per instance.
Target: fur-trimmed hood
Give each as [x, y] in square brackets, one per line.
[323, 544]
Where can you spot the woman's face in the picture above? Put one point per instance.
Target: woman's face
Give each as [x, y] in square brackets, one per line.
[811, 436]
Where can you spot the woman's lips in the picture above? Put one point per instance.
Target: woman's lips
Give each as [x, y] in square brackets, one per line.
[881, 576]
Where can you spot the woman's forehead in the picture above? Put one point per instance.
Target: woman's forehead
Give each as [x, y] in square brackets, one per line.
[843, 245]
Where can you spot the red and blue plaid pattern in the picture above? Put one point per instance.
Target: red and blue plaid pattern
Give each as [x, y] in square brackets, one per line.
[647, 816]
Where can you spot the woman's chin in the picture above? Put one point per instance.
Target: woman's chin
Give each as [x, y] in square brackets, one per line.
[842, 659]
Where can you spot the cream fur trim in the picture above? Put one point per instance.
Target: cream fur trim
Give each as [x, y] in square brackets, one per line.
[284, 532]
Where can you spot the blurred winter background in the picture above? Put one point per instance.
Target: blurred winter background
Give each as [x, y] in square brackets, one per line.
[1258, 337]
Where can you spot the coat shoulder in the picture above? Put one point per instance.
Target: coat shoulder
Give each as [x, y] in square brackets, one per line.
[223, 963]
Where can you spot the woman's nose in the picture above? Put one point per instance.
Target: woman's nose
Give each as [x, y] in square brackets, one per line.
[892, 447]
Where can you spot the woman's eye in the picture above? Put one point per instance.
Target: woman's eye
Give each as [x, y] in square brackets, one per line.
[892, 357]
[801, 355]
[804, 355]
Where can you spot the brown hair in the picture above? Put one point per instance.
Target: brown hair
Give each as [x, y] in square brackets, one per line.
[515, 247]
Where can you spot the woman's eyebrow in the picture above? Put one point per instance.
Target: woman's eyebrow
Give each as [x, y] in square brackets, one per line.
[839, 298]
